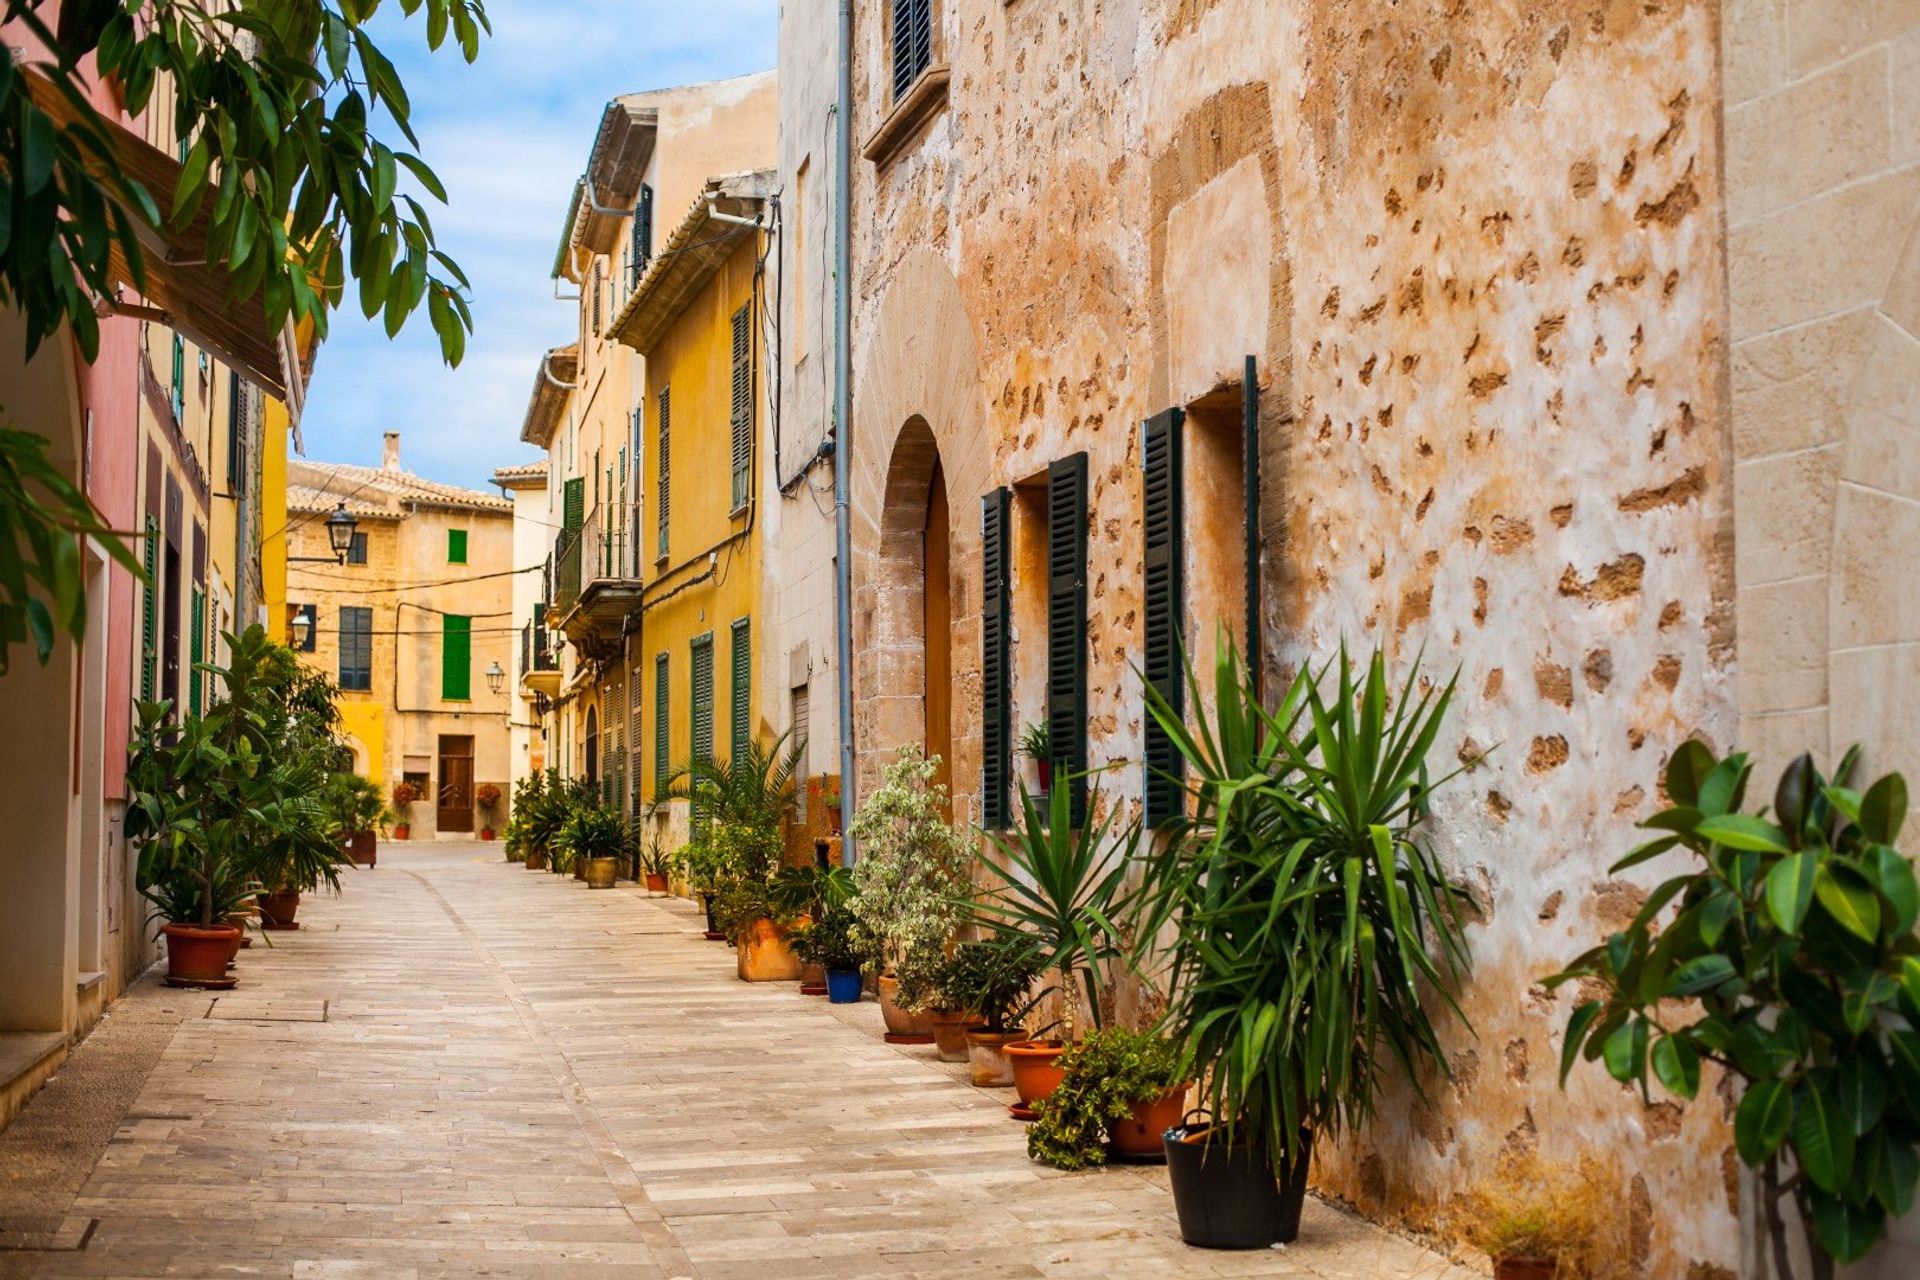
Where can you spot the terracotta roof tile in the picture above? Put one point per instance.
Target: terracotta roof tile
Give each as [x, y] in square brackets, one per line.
[376, 490]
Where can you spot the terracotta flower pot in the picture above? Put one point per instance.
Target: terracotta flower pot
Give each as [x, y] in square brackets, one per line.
[1525, 1269]
[403, 831]
[486, 833]
[987, 1056]
[364, 848]
[599, 873]
[950, 1032]
[580, 868]
[277, 909]
[1036, 1067]
[197, 957]
[813, 978]
[656, 882]
[1139, 1134]
[536, 860]
[903, 1027]
[763, 954]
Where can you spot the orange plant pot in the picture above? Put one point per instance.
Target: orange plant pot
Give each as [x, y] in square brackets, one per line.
[1036, 1068]
[950, 1032]
[763, 954]
[903, 1027]
[278, 909]
[987, 1056]
[1139, 1134]
[1525, 1269]
[198, 957]
[656, 882]
[403, 832]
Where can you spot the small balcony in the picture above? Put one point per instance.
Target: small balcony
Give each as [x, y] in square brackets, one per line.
[593, 583]
[539, 664]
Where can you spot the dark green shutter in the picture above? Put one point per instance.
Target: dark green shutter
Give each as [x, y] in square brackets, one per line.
[740, 698]
[662, 726]
[456, 658]
[196, 650]
[742, 419]
[996, 615]
[642, 248]
[179, 378]
[237, 468]
[573, 504]
[1067, 627]
[1162, 452]
[150, 611]
[662, 472]
[700, 717]
[456, 546]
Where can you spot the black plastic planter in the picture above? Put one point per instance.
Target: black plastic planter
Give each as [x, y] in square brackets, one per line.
[1232, 1197]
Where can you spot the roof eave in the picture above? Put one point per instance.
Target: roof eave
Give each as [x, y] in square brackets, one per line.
[692, 256]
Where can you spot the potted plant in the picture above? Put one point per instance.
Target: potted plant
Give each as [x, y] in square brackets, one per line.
[994, 976]
[740, 802]
[486, 795]
[1036, 744]
[948, 1014]
[1303, 839]
[592, 840]
[829, 943]
[824, 791]
[300, 848]
[353, 803]
[701, 867]
[1791, 961]
[909, 887]
[404, 794]
[1118, 1089]
[1066, 890]
[654, 863]
[1536, 1219]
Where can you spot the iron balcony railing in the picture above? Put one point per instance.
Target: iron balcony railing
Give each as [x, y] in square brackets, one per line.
[598, 551]
[536, 654]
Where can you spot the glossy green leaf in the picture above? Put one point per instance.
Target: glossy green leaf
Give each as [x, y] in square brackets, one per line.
[1789, 890]
[1743, 831]
[1794, 795]
[1851, 904]
[1894, 873]
[1822, 1136]
[1577, 1027]
[1699, 974]
[1846, 1230]
[1626, 1050]
[1760, 1121]
[1884, 809]
[1687, 770]
[1862, 1089]
[1677, 1065]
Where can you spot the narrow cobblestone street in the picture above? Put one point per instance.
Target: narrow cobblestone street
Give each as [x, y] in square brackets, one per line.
[458, 1068]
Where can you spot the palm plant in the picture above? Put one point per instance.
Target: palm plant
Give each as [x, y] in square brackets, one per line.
[591, 831]
[741, 801]
[1064, 888]
[1308, 916]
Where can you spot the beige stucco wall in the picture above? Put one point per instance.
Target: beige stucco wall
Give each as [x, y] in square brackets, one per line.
[1478, 257]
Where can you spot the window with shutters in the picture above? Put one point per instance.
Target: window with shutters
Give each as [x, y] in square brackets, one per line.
[592, 756]
[800, 716]
[700, 715]
[1067, 628]
[573, 505]
[640, 250]
[356, 647]
[617, 520]
[1164, 608]
[196, 651]
[179, 378]
[911, 41]
[357, 549]
[662, 725]
[742, 415]
[740, 691]
[996, 658]
[456, 546]
[662, 474]
[456, 658]
[150, 612]
[596, 302]
[237, 471]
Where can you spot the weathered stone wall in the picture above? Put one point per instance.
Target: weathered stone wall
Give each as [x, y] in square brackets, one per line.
[1477, 256]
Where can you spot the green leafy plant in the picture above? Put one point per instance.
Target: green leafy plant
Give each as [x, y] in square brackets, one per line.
[1063, 887]
[1308, 917]
[829, 942]
[994, 977]
[1103, 1077]
[591, 831]
[1790, 961]
[911, 881]
[352, 804]
[1036, 741]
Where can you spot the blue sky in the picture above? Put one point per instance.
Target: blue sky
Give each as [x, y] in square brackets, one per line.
[508, 136]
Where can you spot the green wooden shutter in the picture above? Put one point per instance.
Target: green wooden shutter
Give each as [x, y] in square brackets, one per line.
[456, 546]
[1164, 527]
[1067, 627]
[237, 469]
[196, 650]
[456, 658]
[179, 378]
[996, 614]
[662, 474]
[700, 717]
[662, 726]
[742, 418]
[573, 504]
[740, 699]
[150, 612]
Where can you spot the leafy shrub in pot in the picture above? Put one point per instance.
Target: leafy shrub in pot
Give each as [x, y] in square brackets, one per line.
[995, 978]
[595, 837]
[1791, 962]
[1107, 1081]
[911, 881]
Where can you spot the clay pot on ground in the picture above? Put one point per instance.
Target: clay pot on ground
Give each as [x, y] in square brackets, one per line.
[536, 860]
[1036, 1068]
[599, 873]
[713, 927]
[1139, 1134]
[1234, 1197]
[902, 1027]
[987, 1056]
[950, 1032]
[813, 978]
[197, 957]
[764, 954]
[486, 833]
[364, 848]
[656, 882]
[580, 868]
[277, 909]
[1525, 1269]
[403, 831]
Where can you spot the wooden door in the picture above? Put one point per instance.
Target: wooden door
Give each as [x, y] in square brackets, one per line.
[455, 808]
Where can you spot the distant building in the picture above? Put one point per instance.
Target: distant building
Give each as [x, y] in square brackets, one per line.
[417, 626]
[526, 487]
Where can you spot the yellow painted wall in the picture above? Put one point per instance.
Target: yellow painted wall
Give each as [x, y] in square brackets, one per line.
[274, 430]
[695, 360]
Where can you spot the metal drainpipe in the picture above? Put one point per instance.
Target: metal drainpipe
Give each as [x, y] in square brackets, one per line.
[842, 398]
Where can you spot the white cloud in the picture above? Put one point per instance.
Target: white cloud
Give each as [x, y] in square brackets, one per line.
[507, 137]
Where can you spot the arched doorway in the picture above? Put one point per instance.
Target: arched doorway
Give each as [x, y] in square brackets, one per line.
[593, 745]
[913, 618]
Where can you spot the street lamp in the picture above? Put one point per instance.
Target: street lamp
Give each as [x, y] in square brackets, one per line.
[496, 678]
[340, 527]
[302, 628]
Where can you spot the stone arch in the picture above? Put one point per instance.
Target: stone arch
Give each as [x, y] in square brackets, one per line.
[918, 404]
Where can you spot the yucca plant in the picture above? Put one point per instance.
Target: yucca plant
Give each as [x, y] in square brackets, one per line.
[1308, 917]
[1064, 888]
[592, 831]
[740, 802]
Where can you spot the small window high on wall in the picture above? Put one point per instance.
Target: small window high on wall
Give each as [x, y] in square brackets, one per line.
[911, 38]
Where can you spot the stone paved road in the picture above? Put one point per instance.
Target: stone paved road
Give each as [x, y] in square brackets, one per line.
[463, 1069]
